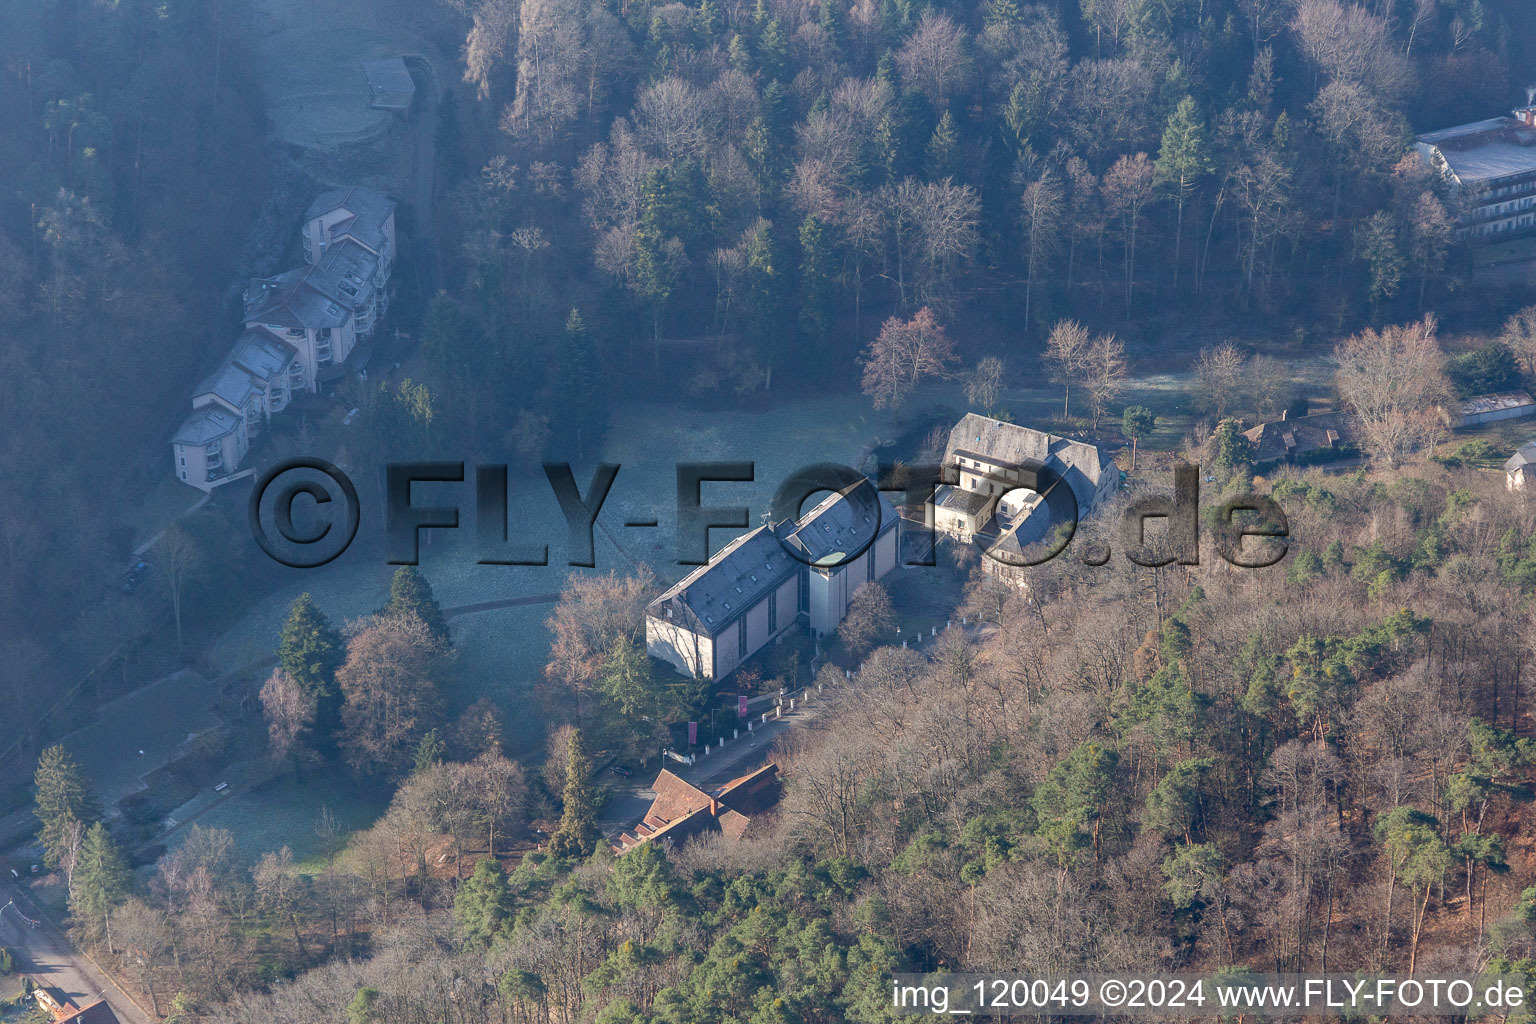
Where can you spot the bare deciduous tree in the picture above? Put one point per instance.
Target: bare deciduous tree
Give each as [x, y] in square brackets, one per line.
[390, 696]
[290, 713]
[905, 352]
[1042, 203]
[1392, 380]
[1104, 374]
[985, 383]
[179, 560]
[933, 60]
[1065, 353]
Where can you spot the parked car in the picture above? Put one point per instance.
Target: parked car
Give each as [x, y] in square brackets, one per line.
[619, 769]
[135, 574]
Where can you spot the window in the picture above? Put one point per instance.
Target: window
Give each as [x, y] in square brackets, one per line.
[741, 637]
[869, 561]
[773, 613]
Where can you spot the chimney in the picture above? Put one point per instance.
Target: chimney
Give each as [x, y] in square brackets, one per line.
[1526, 115]
[714, 808]
[1284, 413]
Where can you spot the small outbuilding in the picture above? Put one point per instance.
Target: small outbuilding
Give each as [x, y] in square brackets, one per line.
[390, 80]
[1501, 405]
[1518, 468]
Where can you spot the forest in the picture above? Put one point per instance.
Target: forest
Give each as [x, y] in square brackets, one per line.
[1324, 765]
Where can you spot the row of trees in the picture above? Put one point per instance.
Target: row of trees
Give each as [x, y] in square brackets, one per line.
[372, 697]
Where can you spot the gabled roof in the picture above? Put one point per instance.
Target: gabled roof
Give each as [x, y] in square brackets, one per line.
[367, 214]
[715, 595]
[305, 297]
[1280, 439]
[390, 80]
[92, 1013]
[349, 269]
[987, 440]
[256, 359]
[210, 423]
[841, 523]
[682, 810]
[1524, 456]
[1499, 147]
[229, 382]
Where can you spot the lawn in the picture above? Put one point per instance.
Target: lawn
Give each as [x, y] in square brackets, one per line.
[284, 811]
[142, 732]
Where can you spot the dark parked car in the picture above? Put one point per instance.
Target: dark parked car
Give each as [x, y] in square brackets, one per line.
[135, 574]
[619, 769]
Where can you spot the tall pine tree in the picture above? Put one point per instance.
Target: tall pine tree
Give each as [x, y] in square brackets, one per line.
[63, 800]
[409, 591]
[576, 835]
[310, 650]
[579, 381]
[101, 880]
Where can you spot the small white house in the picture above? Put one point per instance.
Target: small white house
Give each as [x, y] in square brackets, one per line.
[1517, 471]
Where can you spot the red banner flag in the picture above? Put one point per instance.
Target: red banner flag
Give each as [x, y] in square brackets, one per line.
[693, 733]
[741, 706]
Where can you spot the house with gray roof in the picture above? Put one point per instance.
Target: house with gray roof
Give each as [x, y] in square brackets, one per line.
[390, 82]
[1520, 469]
[364, 216]
[1492, 166]
[994, 465]
[300, 327]
[761, 583]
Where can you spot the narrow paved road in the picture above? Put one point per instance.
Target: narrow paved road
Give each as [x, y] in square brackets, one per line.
[51, 959]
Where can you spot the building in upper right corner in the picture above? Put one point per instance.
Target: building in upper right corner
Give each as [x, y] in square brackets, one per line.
[1492, 165]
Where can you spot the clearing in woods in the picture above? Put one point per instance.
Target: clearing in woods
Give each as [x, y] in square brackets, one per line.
[310, 57]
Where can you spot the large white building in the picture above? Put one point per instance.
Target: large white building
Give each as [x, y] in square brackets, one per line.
[300, 328]
[763, 582]
[1492, 165]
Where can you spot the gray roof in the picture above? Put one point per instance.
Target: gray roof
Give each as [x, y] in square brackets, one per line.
[715, 595]
[1524, 456]
[209, 423]
[1500, 147]
[324, 295]
[1498, 401]
[1081, 464]
[369, 212]
[839, 525]
[230, 383]
[349, 268]
[961, 500]
[257, 357]
[389, 76]
[262, 354]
